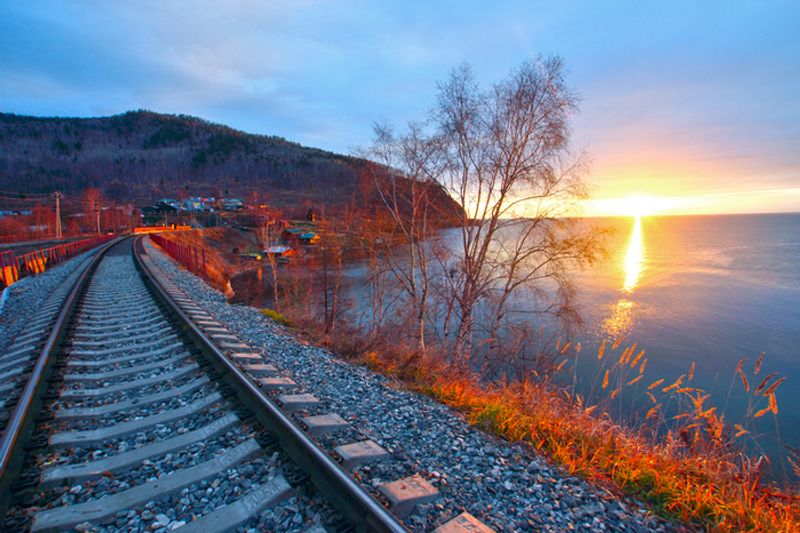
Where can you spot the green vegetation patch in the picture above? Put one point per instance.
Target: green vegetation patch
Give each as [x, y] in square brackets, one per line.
[275, 315]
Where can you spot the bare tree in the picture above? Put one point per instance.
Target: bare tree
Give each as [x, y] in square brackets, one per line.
[404, 179]
[503, 154]
[510, 168]
[43, 220]
[270, 230]
[371, 234]
[332, 245]
[93, 200]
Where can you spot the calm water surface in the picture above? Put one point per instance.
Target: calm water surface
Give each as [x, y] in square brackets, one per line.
[703, 289]
[709, 289]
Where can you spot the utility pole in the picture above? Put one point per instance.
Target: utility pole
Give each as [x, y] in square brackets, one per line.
[58, 216]
[97, 211]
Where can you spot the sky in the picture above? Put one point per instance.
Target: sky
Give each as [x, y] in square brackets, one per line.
[694, 106]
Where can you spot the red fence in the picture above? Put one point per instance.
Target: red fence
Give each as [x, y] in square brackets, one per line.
[14, 267]
[192, 257]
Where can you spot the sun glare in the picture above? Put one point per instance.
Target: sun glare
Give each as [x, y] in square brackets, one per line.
[637, 205]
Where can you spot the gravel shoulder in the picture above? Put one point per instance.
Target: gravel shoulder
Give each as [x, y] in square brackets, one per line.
[26, 296]
[505, 485]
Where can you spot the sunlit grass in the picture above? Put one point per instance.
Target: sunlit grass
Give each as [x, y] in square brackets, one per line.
[689, 466]
[694, 472]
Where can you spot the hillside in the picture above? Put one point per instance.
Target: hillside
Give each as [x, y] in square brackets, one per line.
[141, 156]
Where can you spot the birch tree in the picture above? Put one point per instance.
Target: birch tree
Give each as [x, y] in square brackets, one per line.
[404, 178]
[510, 167]
[503, 155]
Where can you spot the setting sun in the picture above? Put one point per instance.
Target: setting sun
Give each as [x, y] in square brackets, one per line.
[640, 205]
[632, 206]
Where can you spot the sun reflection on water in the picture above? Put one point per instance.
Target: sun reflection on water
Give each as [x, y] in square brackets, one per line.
[619, 323]
[634, 257]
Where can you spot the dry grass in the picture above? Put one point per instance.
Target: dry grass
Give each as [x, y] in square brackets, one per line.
[716, 490]
[693, 472]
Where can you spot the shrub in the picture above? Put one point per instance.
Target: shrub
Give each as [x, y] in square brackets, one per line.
[276, 316]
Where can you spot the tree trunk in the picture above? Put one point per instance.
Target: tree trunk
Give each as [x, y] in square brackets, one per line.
[462, 349]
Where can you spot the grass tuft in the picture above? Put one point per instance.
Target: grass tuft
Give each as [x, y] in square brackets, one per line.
[276, 316]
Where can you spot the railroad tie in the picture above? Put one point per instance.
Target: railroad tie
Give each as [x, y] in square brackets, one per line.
[94, 510]
[93, 436]
[232, 515]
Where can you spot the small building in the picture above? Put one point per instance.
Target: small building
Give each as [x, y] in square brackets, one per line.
[15, 212]
[279, 250]
[208, 203]
[199, 204]
[292, 233]
[168, 204]
[191, 205]
[232, 204]
[308, 237]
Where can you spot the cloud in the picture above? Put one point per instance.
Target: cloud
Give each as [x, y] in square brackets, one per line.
[695, 90]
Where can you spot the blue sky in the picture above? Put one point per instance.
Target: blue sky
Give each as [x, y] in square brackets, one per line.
[686, 100]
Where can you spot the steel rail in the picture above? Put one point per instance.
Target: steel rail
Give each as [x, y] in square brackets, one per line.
[339, 487]
[10, 441]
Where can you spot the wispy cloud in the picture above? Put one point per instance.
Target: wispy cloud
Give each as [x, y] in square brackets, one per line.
[684, 92]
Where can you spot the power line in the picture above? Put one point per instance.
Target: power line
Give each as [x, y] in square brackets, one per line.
[17, 199]
[26, 194]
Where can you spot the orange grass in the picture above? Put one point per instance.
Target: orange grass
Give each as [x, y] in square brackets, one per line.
[692, 474]
[710, 490]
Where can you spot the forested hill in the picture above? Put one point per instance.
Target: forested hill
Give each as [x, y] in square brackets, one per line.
[142, 156]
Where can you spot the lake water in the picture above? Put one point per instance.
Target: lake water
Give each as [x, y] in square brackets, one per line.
[708, 289]
[703, 289]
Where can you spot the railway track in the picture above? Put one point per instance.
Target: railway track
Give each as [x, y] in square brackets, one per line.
[140, 412]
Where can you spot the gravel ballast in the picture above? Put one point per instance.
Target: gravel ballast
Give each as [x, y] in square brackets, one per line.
[507, 486]
[24, 297]
[138, 467]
